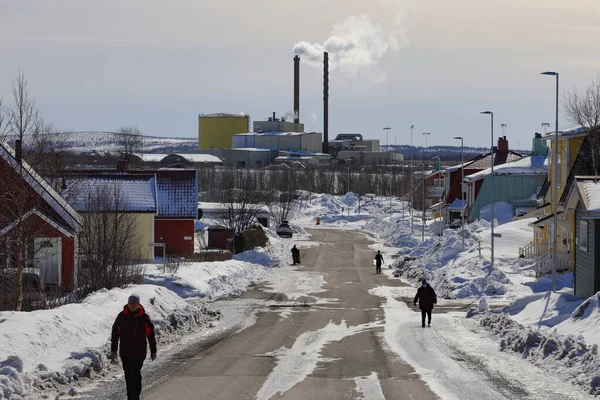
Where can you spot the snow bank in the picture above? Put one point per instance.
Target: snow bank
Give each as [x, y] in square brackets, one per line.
[567, 356]
[453, 274]
[48, 348]
[503, 212]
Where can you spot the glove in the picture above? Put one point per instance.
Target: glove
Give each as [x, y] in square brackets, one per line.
[113, 357]
[153, 356]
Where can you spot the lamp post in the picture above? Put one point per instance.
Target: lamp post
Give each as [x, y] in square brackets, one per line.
[491, 114]
[412, 193]
[426, 134]
[387, 130]
[545, 125]
[403, 192]
[423, 204]
[462, 191]
[555, 191]
[348, 168]
[437, 170]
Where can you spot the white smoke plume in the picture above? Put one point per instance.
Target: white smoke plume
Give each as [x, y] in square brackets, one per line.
[357, 45]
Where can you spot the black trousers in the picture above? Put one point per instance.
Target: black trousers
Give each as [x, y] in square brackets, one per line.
[423, 313]
[378, 268]
[132, 366]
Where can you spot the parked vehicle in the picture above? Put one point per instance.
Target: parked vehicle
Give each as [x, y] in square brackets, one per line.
[33, 290]
[284, 230]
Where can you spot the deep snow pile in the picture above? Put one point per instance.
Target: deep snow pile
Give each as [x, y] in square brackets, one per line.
[567, 356]
[453, 273]
[48, 349]
[59, 349]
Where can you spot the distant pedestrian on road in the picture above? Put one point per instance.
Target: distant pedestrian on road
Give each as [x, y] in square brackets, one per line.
[295, 255]
[427, 298]
[135, 330]
[378, 262]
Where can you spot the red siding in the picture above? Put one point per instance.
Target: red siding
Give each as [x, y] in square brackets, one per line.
[68, 264]
[173, 233]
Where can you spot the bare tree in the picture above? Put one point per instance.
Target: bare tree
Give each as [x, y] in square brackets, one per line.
[241, 200]
[22, 120]
[583, 109]
[129, 140]
[288, 197]
[109, 242]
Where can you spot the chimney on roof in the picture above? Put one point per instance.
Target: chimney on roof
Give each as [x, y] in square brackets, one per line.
[121, 165]
[18, 151]
[296, 90]
[502, 144]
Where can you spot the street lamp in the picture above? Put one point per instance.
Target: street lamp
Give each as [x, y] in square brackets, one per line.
[437, 170]
[348, 168]
[545, 125]
[462, 190]
[491, 114]
[423, 214]
[426, 134]
[403, 192]
[412, 193]
[387, 130]
[555, 187]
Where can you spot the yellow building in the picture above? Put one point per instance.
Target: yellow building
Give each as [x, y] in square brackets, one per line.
[569, 145]
[215, 131]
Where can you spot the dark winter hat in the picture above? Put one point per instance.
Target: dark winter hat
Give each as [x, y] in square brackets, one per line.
[424, 280]
[134, 298]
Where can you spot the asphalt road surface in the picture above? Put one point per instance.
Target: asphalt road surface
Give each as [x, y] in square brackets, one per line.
[238, 366]
[334, 345]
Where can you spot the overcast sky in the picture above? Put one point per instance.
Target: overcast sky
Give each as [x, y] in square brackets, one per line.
[435, 64]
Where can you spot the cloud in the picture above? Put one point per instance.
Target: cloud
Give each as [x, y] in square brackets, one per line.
[358, 44]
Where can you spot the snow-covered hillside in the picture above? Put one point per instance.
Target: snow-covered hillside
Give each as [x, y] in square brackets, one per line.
[99, 141]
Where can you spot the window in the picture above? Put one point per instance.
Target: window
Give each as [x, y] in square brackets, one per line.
[583, 235]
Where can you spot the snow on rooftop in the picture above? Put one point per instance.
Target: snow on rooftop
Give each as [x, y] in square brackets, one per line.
[137, 192]
[150, 157]
[200, 158]
[177, 193]
[275, 133]
[458, 205]
[592, 193]
[530, 165]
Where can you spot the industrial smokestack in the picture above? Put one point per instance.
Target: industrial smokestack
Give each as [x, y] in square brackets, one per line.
[296, 90]
[326, 102]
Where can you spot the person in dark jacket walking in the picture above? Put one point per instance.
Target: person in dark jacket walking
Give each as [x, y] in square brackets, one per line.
[378, 262]
[134, 328]
[295, 255]
[427, 298]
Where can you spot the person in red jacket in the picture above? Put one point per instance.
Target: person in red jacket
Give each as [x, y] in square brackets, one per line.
[134, 328]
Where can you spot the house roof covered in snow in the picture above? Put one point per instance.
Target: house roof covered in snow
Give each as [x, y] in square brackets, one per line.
[588, 192]
[530, 165]
[574, 131]
[177, 193]
[129, 193]
[275, 134]
[189, 157]
[41, 187]
[458, 205]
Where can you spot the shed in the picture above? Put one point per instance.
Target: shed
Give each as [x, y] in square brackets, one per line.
[219, 237]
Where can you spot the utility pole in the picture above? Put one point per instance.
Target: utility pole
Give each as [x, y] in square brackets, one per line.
[412, 192]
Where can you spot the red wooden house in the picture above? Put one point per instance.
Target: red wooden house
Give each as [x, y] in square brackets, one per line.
[34, 217]
[177, 209]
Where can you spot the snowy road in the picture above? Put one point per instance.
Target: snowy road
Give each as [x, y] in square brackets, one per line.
[335, 330]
